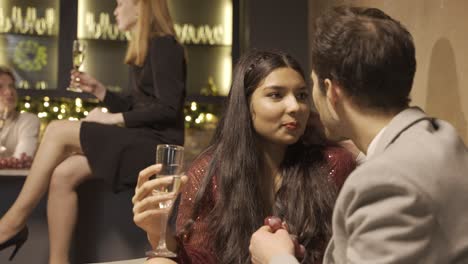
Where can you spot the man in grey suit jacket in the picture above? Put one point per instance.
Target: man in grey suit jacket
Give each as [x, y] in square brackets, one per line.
[408, 202]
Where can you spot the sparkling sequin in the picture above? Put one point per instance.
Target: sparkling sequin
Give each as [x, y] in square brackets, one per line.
[198, 234]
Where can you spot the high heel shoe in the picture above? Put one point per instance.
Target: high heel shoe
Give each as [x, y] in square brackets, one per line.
[17, 240]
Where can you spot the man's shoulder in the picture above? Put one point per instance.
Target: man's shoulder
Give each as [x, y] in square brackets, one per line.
[421, 177]
[420, 149]
[380, 172]
[426, 164]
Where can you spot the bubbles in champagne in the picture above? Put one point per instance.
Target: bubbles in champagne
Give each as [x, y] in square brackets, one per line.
[78, 58]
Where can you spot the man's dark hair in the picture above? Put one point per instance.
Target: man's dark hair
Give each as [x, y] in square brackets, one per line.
[368, 53]
[7, 71]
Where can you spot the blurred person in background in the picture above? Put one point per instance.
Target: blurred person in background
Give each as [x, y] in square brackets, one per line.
[113, 145]
[18, 131]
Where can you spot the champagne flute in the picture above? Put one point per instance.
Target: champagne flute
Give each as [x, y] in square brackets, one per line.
[79, 50]
[171, 158]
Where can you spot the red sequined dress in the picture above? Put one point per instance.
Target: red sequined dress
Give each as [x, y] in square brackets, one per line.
[196, 246]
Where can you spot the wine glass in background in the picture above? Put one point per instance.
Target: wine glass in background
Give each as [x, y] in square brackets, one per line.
[171, 159]
[3, 118]
[79, 50]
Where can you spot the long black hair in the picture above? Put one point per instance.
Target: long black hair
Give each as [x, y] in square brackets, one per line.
[305, 197]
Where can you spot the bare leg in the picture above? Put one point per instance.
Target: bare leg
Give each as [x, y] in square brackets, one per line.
[62, 205]
[59, 139]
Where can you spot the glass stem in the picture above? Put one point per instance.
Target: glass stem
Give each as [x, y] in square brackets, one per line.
[162, 237]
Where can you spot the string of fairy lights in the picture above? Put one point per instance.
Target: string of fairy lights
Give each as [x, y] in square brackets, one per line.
[48, 109]
[197, 115]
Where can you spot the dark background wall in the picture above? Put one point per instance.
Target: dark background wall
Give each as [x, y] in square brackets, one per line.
[276, 24]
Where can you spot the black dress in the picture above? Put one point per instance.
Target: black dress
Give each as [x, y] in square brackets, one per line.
[153, 114]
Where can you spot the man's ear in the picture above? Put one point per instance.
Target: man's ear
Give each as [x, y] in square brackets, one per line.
[333, 94]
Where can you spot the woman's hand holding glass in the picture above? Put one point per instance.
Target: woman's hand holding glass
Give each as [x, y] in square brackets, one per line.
[88, 83]
[79, 53]
[147, 209]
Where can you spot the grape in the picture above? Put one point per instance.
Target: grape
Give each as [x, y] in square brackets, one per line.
[274, 222]
[23, 162]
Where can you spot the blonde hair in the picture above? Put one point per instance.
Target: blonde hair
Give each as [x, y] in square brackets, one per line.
[153, 20]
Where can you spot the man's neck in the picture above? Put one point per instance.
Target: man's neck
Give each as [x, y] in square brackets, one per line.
[365, 126]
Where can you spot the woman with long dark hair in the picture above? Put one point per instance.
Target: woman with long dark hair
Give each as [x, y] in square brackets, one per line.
[266, 158]
[115, 145]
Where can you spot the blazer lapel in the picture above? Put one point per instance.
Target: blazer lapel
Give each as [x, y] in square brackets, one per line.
[399, 123]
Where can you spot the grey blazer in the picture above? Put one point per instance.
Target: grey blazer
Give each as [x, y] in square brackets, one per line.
[409, 202]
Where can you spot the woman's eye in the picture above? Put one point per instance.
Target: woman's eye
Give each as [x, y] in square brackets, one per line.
[274, 95]
[303, 96]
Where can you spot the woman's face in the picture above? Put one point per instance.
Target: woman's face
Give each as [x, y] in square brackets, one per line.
[126, 14]
[280, 107]
[8, 96]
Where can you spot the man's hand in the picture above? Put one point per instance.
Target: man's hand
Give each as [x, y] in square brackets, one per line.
[265, 244]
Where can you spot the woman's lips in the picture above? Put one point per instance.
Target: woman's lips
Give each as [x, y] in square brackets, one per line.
[291, 125]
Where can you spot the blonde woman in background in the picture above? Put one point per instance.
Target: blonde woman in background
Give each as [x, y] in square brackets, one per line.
[72, 152]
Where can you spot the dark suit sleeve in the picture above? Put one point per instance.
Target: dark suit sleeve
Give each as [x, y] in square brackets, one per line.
[167, 64]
